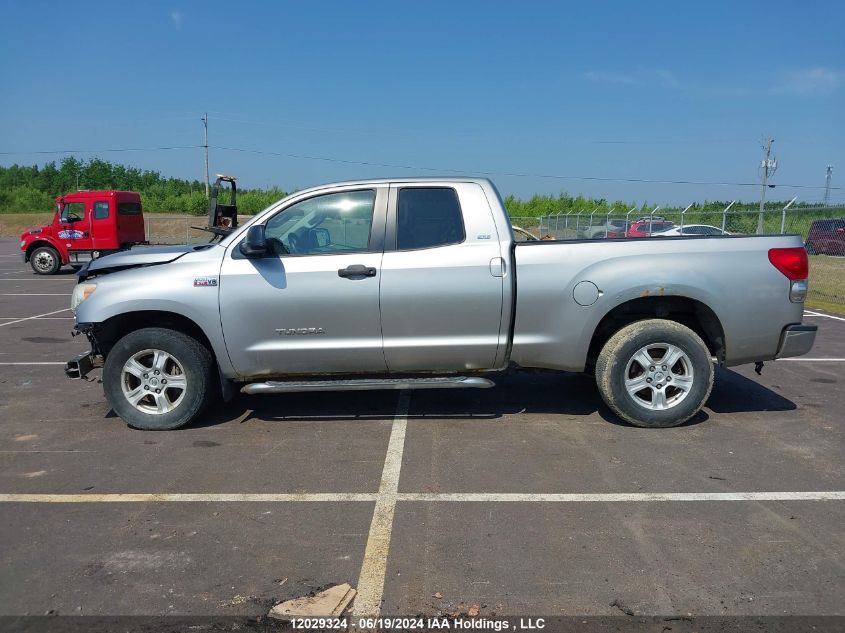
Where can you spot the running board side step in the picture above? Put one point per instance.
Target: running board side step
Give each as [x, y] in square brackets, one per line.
[368, 384]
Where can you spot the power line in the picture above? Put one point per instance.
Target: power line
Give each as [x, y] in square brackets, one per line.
[344, 161]
[510, 174]
[101, 151]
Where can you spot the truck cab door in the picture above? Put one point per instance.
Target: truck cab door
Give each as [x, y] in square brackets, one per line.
[311, 307]
[442, 279]
[75, 225]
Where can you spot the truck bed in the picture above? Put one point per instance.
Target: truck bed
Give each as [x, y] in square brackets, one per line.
[730, 274]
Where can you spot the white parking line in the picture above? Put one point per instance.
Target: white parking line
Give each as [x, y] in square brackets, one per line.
[170, 498]
[37, 316]
[825, 495]
[36, 363]
[819, 314]
[459, 497]
[371, 579]
[814, 360]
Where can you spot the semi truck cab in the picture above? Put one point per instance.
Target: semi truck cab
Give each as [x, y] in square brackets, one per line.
[86, 225]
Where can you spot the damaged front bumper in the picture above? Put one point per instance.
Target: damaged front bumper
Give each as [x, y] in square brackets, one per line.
[796, 340]
[80, 366]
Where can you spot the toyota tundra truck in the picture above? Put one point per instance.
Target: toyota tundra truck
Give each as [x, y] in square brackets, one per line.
[420, 284]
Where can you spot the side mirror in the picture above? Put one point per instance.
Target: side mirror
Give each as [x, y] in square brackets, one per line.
[254, 244]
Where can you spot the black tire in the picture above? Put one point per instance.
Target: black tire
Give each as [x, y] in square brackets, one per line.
[190, 359]
[617, 365]
[45, 260]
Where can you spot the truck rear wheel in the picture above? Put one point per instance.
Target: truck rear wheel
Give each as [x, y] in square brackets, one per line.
[655, 373]
[158, 379]
[45, 260]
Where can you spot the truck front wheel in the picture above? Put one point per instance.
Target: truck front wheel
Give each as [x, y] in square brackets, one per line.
[45, 260]
[655, 373]
[158, 379]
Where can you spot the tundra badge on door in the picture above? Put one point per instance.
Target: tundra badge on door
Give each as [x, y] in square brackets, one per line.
[293, 331]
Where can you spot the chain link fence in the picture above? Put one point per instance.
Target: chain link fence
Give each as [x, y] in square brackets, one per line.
[166, 228]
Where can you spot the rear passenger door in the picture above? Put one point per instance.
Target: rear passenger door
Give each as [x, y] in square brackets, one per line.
[102, 234]
[441, 279]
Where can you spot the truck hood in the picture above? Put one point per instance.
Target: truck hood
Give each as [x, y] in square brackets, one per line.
[135, 258]
[36, 230]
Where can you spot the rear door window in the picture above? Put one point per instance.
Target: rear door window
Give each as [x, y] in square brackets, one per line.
[428, 217]
[101, 210]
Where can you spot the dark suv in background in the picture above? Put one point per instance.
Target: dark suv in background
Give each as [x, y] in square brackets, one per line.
[826, 237]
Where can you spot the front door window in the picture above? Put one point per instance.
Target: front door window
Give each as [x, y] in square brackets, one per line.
[330, 224]
[72, 212]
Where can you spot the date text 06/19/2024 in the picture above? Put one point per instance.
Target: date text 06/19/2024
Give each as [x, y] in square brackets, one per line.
[419, 624]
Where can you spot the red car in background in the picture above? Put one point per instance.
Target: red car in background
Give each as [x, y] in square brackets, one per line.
[826, 237]
[644, 228]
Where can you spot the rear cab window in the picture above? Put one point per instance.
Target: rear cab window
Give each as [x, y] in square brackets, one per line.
[428, 217]
[128, 208]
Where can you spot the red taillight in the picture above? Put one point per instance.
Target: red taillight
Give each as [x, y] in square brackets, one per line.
[792, 262]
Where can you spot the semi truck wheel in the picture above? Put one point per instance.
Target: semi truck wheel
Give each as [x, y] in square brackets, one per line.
[158, 379]
[655, 373]
[45, 260]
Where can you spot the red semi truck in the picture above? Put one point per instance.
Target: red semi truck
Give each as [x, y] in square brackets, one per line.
[87, 225]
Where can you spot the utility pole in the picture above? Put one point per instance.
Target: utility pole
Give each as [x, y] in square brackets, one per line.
[205, 146]
[767, 168]
[827, 185]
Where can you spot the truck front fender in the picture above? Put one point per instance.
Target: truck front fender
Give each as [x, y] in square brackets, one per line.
[167, 289]
[44, 240]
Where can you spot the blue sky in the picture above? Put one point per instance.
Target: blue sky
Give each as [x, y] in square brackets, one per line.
[645, 90]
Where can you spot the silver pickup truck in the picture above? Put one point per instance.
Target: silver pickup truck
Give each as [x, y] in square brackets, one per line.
[420, 284]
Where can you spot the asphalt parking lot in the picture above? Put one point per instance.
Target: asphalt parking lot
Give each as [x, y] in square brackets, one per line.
[527, 499]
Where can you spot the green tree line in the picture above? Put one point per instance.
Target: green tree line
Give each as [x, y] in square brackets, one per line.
[32, 189]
